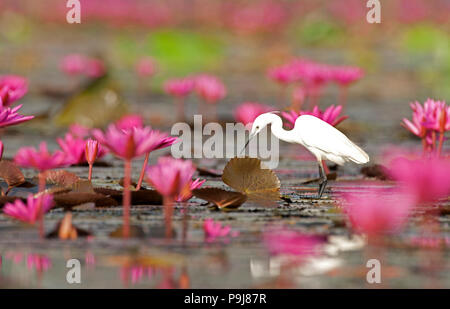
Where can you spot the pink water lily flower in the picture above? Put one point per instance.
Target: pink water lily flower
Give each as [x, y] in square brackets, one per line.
[427, 179]
[427, 121]
[30, 211]
[75, 148]
[91, 153]
[12, 88]
[247, 112]
[282, 241]
[330, 115]
[10, 117]
[186, 196]
[172, 178]
[41, 159]
[283, 74]
[129, 144]
[95, 68]
[73, 64]
[344, 76]
[134, 142]
[130, 121]
[79, 131]
[210, 88]
[179, 87]
[378, 211]
[146, 67]
[214, 230]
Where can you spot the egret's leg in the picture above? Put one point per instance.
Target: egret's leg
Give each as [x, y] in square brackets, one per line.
[324, 181]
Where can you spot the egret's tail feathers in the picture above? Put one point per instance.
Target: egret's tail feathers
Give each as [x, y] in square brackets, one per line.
[359, 156]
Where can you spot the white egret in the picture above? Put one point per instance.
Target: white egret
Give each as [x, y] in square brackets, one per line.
[323, 140]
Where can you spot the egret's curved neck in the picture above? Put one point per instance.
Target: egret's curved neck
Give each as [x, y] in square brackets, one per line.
[279, 132]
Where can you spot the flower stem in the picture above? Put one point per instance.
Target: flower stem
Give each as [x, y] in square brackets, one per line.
[343, 96]
[424, 145]
[126, 199]
[168, 212]
[141, 176]
[180, 108]
[41, 208]
[90, 172]
[441, 143]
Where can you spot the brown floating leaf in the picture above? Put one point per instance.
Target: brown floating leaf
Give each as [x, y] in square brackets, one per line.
[71, 199]
[82, 186]
[247, 176]
[66, 230]
[375, 170]
[141, 197]
[61, 177]
[11, 174]
[135, 232]
[221, 198]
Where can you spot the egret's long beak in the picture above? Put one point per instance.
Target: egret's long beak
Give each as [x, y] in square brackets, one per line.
[252, 135]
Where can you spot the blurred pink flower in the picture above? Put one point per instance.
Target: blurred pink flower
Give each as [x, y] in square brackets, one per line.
[210, 88]
[41, 159]
[427, 179]
[186, 196]
[32, 210]
[179, 87]
[95, 68]
[290, 242]
[345, 76]
[12, 88]
[379, 211]
[171, 177]
[79, 131]
[248, 111]
[10, 117]
[73, 64]
[76, 64]
[313, 74]
[133, 142]
[215, 230]
[257, 16]
[330, 115]
[130, 121]
[146, 67]
[283, 74]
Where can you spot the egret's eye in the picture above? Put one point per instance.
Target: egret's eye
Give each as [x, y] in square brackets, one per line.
[257, 127]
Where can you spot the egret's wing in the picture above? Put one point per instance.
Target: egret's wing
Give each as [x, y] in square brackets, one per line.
[317, 133]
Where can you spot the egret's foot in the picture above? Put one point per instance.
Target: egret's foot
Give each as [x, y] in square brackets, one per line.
[322, 186]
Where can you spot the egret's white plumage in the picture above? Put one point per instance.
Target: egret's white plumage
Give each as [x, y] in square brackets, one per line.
[323, 140]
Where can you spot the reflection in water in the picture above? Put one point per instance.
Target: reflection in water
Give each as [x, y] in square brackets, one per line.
[163, 277]
[38, 262]
[89, 259]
